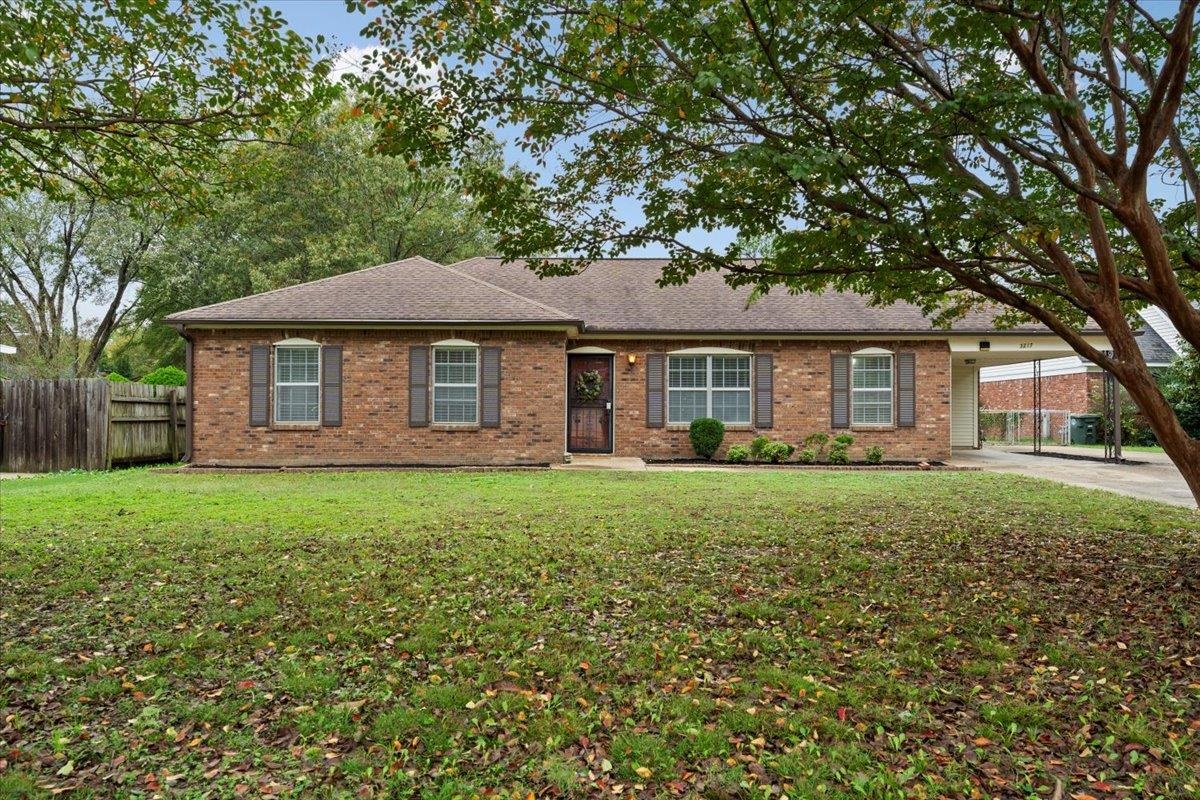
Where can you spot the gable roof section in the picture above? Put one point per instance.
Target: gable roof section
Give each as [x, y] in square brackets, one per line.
[1154, 347]
[413, 290]
[623, 296]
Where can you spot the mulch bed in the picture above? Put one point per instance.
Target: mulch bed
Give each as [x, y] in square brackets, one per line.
[853, 466]
[1081, 457]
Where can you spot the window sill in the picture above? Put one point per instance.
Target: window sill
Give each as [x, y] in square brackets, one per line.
[296, 426]
[729, 426]
[873, 428]
[454, 426]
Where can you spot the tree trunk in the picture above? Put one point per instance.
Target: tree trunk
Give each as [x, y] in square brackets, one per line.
[1181, 448]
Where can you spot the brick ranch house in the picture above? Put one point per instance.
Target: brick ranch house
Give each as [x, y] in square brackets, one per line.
[482, 362]
[1070, 385]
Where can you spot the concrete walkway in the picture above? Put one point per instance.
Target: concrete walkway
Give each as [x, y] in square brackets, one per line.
[1155, 479]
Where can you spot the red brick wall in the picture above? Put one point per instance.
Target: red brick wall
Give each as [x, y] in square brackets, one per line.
[375, 426]
[1062, 395]
[802, 397]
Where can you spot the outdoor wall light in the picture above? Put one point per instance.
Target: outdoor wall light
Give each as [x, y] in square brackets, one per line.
[632, 359]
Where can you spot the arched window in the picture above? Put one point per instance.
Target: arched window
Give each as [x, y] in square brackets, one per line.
[871, 387]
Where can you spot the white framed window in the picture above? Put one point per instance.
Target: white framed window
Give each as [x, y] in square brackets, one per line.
[708, 386]
[871, 389]
[456, 385]
[297, 383]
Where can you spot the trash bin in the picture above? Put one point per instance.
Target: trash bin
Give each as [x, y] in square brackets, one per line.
[1086, 429]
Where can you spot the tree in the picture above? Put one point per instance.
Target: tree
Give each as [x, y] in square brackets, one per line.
[60, 259]
[325, 205]
[949, 154]
[123, 98]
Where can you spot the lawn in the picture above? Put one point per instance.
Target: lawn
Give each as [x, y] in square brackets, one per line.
[567, 634]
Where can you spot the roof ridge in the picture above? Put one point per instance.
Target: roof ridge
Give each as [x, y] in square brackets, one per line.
[508, 292]
[305, 283]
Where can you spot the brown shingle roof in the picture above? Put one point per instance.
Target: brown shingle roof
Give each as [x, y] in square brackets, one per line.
[618, 295]
[412, 290]
[621, 295]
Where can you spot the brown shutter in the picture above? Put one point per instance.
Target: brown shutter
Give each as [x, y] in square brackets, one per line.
[418, 387]
[764, 390]
[331, 385]
[260, 385]
[906, 390]
[490, 389]
[655, 378]
[839, 401]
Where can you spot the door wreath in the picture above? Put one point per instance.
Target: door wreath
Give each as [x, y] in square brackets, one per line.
[588, 386]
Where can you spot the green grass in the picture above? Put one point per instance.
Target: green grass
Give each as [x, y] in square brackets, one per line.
[440, 634]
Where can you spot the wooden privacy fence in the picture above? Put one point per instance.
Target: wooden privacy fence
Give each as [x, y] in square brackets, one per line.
[51, 425]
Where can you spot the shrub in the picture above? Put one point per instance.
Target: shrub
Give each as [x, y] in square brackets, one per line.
[843, 439]
[816, 443]
[166, 376]
[808, 455]
[738, 454]
[777, 452]
[116, 377]
[839, 454]
[706, 434]
[756, 447]
[875, 455]
[1181, 386]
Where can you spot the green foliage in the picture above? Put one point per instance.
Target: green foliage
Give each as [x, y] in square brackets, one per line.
[1181, 386]
[738, 454]
[166, 376]
[777, 452]
[757, 445]
[843, 439]
[807, 456]
[839, 454]
[816, 442]
[137, 98]
[706, 435]
[874, 454]
[116, 377]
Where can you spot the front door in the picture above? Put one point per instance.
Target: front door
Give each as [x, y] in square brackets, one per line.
[589, 403]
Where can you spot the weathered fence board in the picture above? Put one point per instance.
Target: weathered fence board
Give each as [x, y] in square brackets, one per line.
[51, 425]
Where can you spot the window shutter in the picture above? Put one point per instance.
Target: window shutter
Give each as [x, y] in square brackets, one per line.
[764, 391]
[839, 404]
[655, 375]
[906, 390]
[418, 387]
[260, 385]
[490, 389]
[331, 385]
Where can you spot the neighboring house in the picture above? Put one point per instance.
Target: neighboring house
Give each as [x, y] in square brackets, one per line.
[483, 363]
[1069, 385]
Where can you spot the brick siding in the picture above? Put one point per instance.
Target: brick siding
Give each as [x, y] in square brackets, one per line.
[1062, 395]
[375, 427]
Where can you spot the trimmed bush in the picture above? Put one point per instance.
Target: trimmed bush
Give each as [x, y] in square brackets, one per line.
[777, 452]
[706, 434]
[843, 439]
[838, 454]
[166, 376]
[875, 455]
[756, 447]
[808, 455]
[816, 443]
[738, 454]
[116, 377]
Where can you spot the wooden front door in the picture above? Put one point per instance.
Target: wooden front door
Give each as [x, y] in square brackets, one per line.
[589, 403]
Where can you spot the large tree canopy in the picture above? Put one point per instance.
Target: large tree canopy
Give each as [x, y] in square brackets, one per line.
[1023, 153]
[129, 98]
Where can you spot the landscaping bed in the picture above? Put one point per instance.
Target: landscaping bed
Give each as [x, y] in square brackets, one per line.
[572, 634]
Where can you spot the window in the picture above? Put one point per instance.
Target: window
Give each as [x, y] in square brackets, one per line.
[871, 390]
[297, 383]
[708, 386]
[456, 385]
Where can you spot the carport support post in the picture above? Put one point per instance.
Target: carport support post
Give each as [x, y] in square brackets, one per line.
[1037, 405]
[1112, 411]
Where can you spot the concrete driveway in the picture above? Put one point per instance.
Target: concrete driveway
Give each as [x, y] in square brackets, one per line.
[1155, 479]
